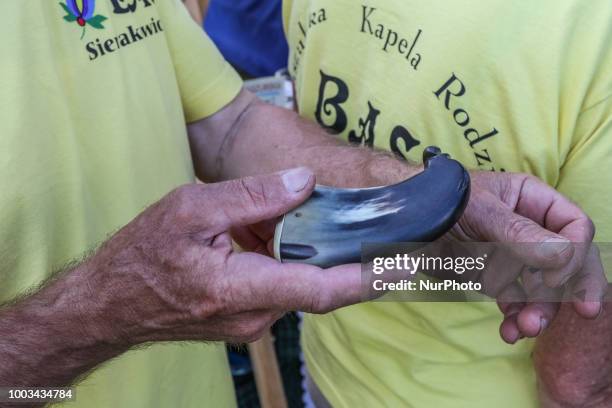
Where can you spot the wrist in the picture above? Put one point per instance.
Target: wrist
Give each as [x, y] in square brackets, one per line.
[113, 310]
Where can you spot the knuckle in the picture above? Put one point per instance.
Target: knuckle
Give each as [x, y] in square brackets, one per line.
[527, 180]
[527, 186]
[254, 192]
[516, 227]
[183, 202]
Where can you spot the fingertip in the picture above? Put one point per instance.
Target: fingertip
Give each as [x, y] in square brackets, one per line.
[508, 330]
[588, 310]
[556, 251]
[532, 322]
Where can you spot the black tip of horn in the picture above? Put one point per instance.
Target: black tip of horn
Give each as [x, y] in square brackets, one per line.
[297, 252]
[432, 152]
[429, 153]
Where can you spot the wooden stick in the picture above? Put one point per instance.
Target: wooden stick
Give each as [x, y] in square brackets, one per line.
[267, 374]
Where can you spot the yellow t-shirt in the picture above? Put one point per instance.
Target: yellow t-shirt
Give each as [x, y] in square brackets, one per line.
[92, 130]
[500, 85]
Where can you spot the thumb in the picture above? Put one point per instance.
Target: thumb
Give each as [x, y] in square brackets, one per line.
[250, 200]
[529, 241]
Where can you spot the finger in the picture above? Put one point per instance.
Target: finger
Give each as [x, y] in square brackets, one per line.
[555, 212]
[333, 288]
[510, 302]
[559, 276]
[508, 330]
[513, 213]
[551, 209]
[531, 243]
[542, 304]
[589, 286]
[272, 285]
[537, 247]
[536, 317]
[254, 199]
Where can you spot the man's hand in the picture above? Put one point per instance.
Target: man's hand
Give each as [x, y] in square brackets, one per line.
[186, 280]
[171, 274]
[504, 207]
[519, 208]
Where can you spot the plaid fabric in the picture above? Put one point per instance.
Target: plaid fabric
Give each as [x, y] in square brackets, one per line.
[287, 344]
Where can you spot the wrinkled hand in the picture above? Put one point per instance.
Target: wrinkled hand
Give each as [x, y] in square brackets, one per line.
[176, 276]
[514, 208]
[519, 208]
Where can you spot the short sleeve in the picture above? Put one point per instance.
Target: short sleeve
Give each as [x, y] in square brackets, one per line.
[586, 176]
[206, 81]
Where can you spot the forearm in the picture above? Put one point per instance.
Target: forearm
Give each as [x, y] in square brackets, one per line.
[573, 360]
[194, 9]
[97, 310]
[78, 320]
[204, 7]
[56, 335]
[265, 139]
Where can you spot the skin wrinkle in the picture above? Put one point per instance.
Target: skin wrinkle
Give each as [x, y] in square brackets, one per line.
[227, 145]
[516, 199]
[545, 220]
[257, 195]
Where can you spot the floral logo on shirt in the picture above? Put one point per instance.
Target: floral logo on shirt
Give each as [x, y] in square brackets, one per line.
[82, 12]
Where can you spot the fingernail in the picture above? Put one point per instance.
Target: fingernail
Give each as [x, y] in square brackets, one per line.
[552, 247]
[296, 180]
[543, 325]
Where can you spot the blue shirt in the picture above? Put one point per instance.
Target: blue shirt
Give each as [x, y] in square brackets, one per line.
[249, 33]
